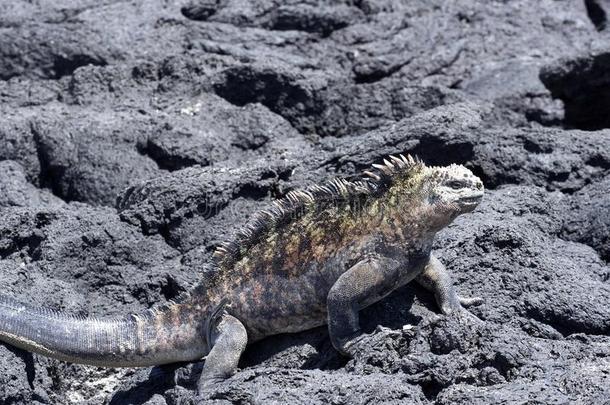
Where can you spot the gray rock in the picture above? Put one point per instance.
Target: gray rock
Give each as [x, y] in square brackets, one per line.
[583, 84]
[589, 222]
[557, 159]
[16, 191]
[136, 136]
[598, 13]
[171, 203]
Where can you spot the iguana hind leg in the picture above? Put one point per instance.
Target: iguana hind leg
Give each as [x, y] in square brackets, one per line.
[360, 284]
[436, 279]
[228, 341]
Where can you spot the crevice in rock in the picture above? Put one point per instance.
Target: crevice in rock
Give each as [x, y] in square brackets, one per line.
[160, 379]
[596, 14]
[315, 20]
[30, 243]
[431, 388]
[28, 361]
[49, 174]
[378, 74]
[598, 160]
[164, 232]
[436, 151]
[66, 65]
[252, 191]
[564, 326]
[540, 109]
[537, 148]
[583, 84]
[505, 366]
[276, 91]
[200, 10]
[162, 159]
[171, 289]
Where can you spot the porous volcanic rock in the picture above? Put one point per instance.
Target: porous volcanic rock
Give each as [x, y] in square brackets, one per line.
[136, 136]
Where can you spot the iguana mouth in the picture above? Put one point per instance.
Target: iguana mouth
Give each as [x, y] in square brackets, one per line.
[471, 199]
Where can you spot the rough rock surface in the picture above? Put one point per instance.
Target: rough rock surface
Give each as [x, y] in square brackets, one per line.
[135, 136]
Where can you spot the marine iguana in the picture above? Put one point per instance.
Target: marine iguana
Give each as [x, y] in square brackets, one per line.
[317, 256]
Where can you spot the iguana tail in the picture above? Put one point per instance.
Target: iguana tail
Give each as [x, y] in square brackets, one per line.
[172, 333]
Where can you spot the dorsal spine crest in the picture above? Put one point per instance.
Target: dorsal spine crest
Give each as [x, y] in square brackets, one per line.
[296, 203]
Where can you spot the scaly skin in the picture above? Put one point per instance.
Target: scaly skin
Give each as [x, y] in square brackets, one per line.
[170, 335]
[317, 256]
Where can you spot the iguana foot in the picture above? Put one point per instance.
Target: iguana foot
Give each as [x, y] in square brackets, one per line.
[345, 345]
[228, 340]
[436, 279]
[368, 276]
[453, 305]
[207, 385]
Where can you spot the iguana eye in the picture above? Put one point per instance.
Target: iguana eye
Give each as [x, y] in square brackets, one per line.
[456, 185]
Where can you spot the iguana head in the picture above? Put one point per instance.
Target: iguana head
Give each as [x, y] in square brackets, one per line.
[453, 188]
[438, 194]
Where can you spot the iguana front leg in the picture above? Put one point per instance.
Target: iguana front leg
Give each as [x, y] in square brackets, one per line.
[361, 284]
[436, 279]
[228, 340]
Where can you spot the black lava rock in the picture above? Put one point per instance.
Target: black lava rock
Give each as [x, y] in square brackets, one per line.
[136, 136]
